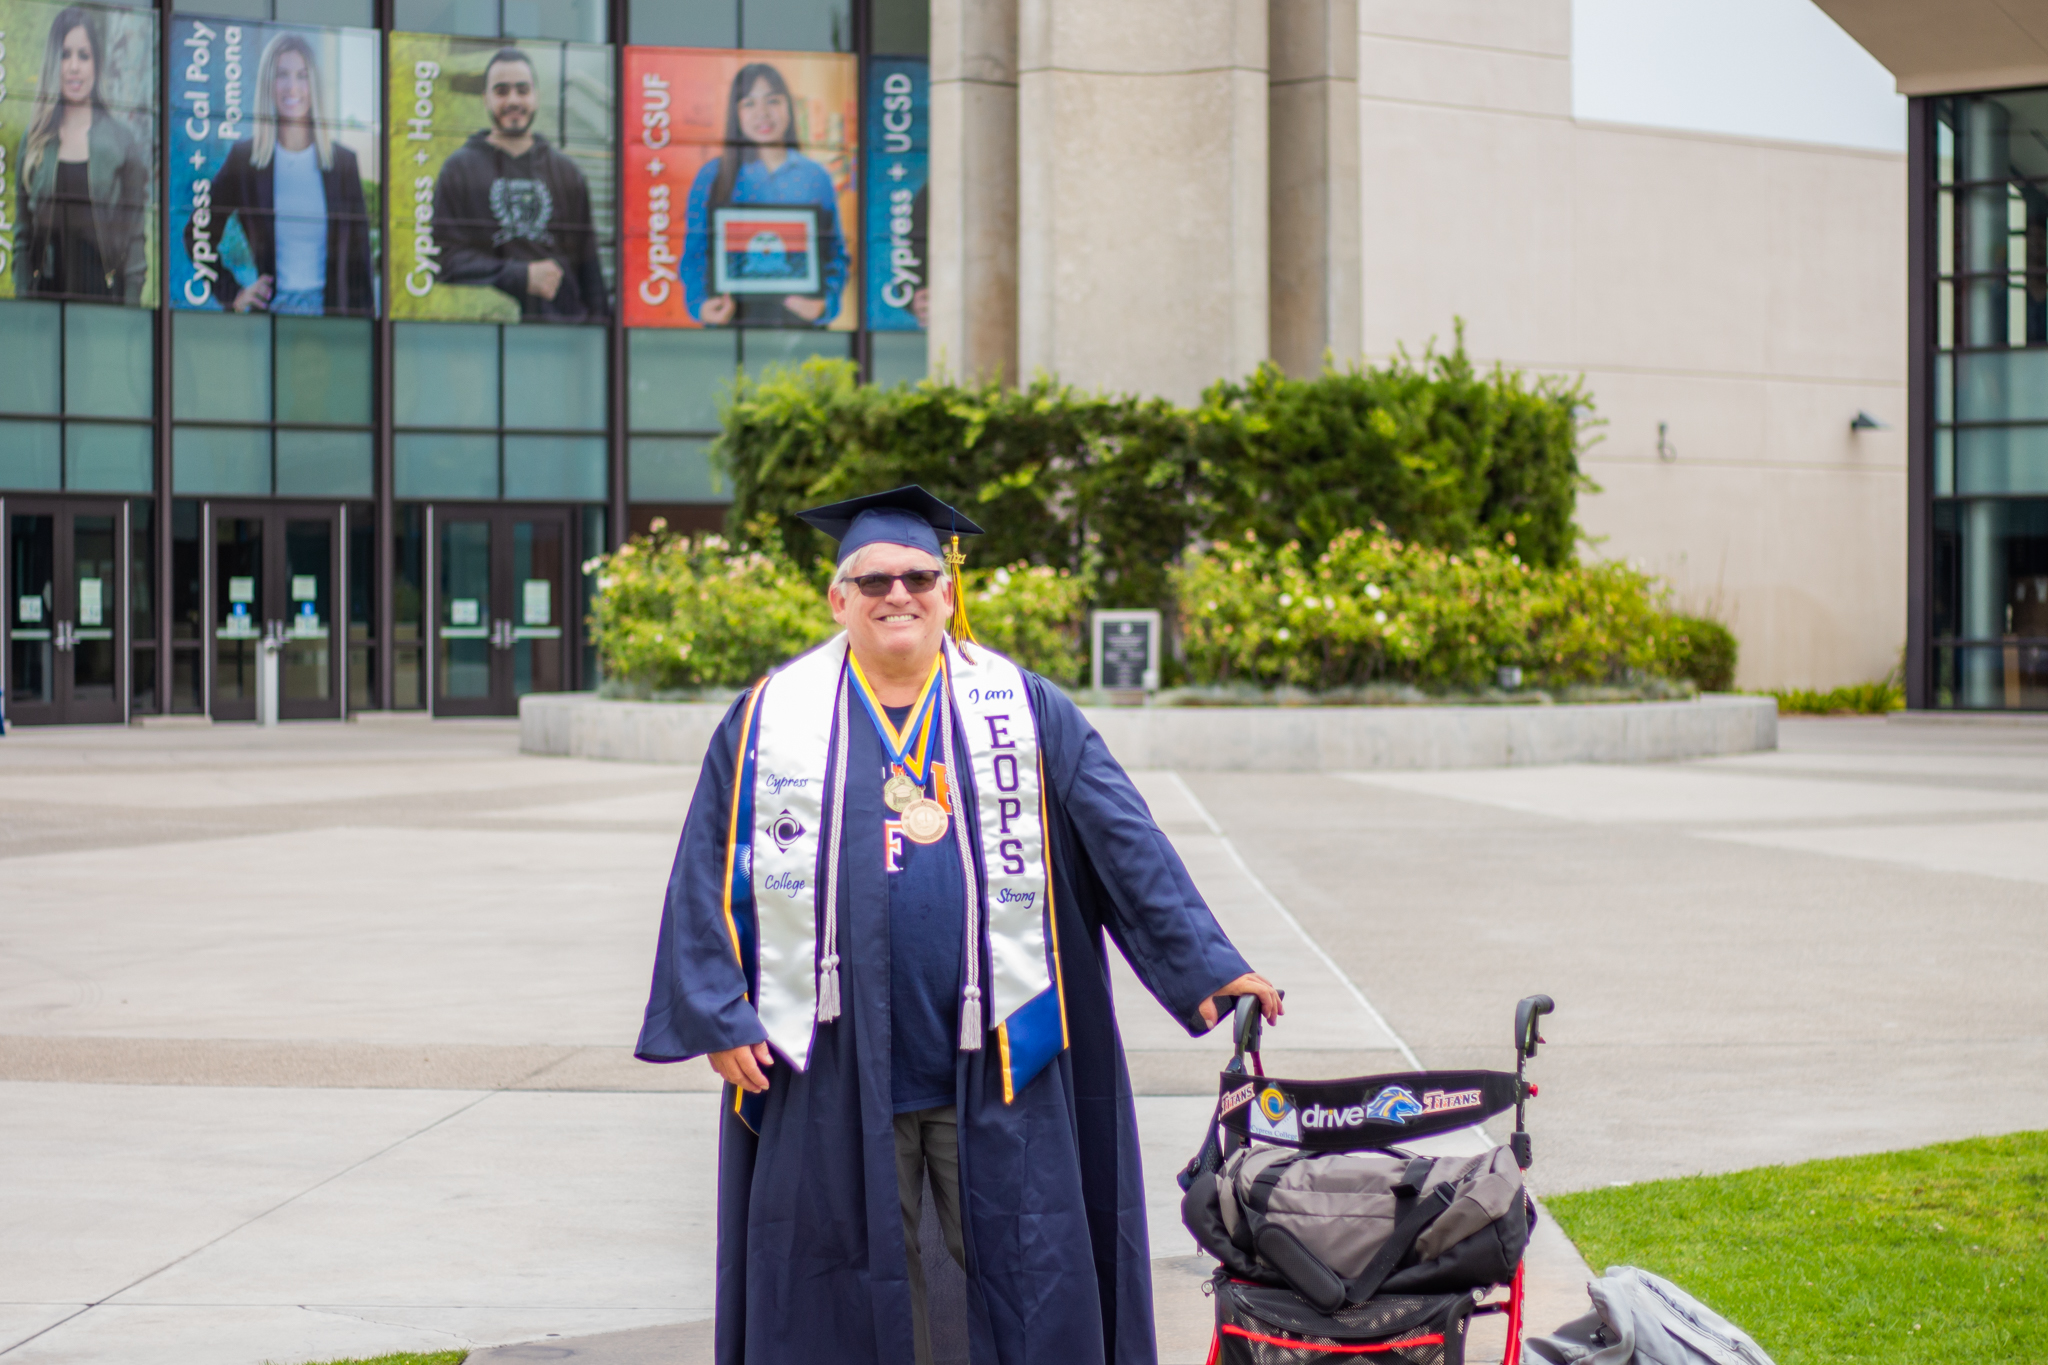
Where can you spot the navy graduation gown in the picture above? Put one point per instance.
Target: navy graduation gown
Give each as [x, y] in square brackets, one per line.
[810, 1236]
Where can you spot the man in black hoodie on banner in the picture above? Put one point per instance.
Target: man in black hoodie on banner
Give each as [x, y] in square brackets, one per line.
[514, 213]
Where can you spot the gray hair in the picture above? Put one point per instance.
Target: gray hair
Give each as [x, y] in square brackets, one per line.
[851, 569]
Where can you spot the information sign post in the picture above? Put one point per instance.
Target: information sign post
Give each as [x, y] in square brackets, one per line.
[1125, 650]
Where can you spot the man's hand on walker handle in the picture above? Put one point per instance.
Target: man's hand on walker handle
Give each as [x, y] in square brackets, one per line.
[745, 1066]
[1251, 983]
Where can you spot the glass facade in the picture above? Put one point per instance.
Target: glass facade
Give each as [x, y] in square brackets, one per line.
[1983, 495]
[376, 285]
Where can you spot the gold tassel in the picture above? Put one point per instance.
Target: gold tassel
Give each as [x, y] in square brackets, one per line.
[962, 631]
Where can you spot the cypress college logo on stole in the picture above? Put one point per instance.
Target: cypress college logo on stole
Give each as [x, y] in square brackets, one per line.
[789, 805]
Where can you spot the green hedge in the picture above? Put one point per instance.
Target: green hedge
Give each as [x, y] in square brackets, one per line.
[1112, 489]
[677, 616]
[1238, 516]
[674, 615]
[1704, 651]
[1373, 608]
[1436, 451]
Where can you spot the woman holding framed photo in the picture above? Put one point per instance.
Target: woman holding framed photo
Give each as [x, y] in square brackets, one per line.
[761, 167]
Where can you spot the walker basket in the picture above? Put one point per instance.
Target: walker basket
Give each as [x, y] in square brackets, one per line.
[1259, 1324]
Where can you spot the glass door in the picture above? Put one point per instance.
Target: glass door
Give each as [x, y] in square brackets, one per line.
[238, 583]
[275, 575]
[95, 649]
[66, 638]
[501, 582]
[307, 686]
[32, 618]
[465, 617]
[540, 561]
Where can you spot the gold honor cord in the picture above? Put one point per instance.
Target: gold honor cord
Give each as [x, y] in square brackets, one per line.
[962, 631]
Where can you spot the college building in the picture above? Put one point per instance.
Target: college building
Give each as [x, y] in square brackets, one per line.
[342, 333]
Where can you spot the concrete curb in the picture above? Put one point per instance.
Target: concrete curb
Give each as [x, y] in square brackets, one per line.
[1251, 738]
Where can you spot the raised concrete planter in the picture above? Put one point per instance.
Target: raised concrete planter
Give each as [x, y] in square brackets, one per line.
[1253, 738]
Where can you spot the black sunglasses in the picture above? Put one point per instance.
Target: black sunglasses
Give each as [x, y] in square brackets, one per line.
[917, 582]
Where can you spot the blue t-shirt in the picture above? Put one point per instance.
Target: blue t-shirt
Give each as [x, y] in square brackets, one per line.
[927, 917]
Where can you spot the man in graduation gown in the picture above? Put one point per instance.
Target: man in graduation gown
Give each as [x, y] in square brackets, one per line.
[887, 927]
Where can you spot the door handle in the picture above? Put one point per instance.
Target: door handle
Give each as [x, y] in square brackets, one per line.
[66, 637]
[501, 634]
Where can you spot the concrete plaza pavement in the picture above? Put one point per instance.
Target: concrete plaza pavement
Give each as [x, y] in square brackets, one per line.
[313, 1042]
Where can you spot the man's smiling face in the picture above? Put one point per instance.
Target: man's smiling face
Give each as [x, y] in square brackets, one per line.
[900, 626]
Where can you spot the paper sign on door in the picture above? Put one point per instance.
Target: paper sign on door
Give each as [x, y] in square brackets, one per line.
[464, 611]
[303, 587]
[31, 611]
[536, 607]
[241, 590]
[91, 603]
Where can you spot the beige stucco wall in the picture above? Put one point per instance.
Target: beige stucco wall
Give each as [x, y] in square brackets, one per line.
[1141, 148]
[1748, 294]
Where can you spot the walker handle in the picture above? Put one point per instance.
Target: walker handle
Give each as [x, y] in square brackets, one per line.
[1527, 1015]
[1246, 1027]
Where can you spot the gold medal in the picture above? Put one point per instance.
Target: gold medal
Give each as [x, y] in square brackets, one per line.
[924, 821]
[898, 792]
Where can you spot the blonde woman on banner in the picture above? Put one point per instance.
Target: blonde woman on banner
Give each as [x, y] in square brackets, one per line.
[298, 195]
[83, 194]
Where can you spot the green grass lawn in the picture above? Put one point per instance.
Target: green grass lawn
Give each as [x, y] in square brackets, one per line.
[409, 1358]
[1937, 1254]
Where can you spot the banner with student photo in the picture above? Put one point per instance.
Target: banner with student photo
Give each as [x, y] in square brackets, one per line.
[78, 152]
[899, 283]
[274, 167]
[502, 184]
[740, 189]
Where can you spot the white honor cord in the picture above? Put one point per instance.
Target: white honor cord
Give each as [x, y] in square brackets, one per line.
[828, 965]
[970, 999]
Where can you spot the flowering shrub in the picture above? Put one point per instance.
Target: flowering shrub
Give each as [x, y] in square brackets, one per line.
[672, 614]
[1372, 608]
[1032, 613]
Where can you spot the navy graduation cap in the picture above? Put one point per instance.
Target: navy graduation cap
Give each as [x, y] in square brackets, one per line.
[902, 516]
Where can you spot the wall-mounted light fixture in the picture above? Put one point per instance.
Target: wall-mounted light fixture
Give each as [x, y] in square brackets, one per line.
[1863, 421]
[1665, 450]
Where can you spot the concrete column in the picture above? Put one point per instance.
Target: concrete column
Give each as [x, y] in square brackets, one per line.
[972, 226]
[1317, 288]
[1141, 254]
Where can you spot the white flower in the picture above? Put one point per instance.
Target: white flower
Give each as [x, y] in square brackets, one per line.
[1380, 617]
[1330, 603]
[1283, 632]
[1372, 590]
[1286, 599]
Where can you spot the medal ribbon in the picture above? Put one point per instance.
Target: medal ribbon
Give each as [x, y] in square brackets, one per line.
[909, 748]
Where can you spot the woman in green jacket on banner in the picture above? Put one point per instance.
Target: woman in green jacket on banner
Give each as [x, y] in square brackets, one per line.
[83, 193]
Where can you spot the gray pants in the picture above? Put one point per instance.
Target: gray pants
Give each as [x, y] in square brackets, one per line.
[928, 1140]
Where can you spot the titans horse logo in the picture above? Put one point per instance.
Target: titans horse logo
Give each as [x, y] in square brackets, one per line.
[1395, 1104]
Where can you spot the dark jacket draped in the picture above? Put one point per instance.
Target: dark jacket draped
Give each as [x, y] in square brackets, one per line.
[241, 188]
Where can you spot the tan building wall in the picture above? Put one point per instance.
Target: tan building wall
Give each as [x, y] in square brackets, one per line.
[1141, 150]
[1148, 196]
[1749, 295]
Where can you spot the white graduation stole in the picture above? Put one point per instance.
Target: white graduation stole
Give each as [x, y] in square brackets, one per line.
[798, 764]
